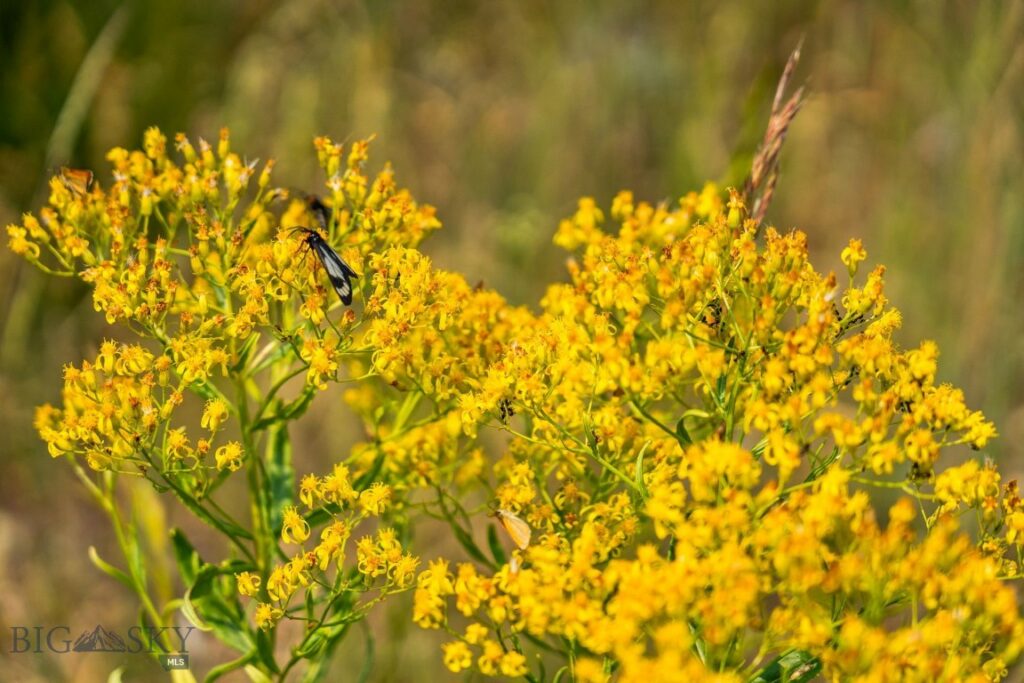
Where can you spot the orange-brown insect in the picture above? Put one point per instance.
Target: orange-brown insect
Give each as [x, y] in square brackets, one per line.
[76, 180]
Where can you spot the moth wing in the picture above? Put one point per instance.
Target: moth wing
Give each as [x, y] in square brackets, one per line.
[348, 269]
[516, 528]
[76, 180]
[338, 271]
[319, 210]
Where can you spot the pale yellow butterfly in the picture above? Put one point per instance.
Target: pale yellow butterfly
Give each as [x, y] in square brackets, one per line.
[516, 528]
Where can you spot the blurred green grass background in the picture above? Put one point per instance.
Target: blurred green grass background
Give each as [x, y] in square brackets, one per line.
[502, 114]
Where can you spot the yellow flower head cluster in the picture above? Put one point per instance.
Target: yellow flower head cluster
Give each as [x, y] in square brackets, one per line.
[698, 457]
[381, 562]
[189, 248]
[113, 408]
[704, 421]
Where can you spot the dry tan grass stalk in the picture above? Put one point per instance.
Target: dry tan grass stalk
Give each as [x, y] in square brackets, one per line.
[764, 173]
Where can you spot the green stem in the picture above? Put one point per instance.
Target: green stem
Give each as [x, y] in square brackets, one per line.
[230, 529]
[272, 392]
[124, 542]
[262, 533]
[653, 420]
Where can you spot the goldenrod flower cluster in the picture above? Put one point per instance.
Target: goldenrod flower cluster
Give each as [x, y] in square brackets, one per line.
[706, 429]
[728, 468]
[194, 252]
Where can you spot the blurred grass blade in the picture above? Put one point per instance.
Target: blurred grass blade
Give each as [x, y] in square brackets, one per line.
[368, 660]
[84, 87]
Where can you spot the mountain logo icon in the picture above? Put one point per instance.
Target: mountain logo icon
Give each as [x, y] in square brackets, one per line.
[99, 640]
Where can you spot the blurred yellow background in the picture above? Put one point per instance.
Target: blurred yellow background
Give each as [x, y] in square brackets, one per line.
[502, 114]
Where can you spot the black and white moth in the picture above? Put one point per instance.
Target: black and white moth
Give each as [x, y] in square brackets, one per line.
[339, 272]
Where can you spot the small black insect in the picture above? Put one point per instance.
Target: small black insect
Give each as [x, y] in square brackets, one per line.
[505, 410]
[339, 272]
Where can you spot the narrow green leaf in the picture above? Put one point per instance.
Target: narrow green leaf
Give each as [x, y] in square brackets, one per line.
[496, 550]
[310, 604]
[186, 556]
[145, 635]
[699, 646]
[313, 644]
[794, 666]
[319, 667]
[211, 604]
[202, 586]
[277, 354]
[681, 433]
[289, 411]
[588, 432]
[227, 667]
[189, 611]
[199, 589]
[109, 569]
[367, 477]
[230, 630]
[320, 515]
[466, 541]
[256, 676]
[221, 525]
[133, 552]
[243, 353]
[207, 390]
[265, 650]
[280, 475]
[639, 471]
[412, 399]
[115, 675]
